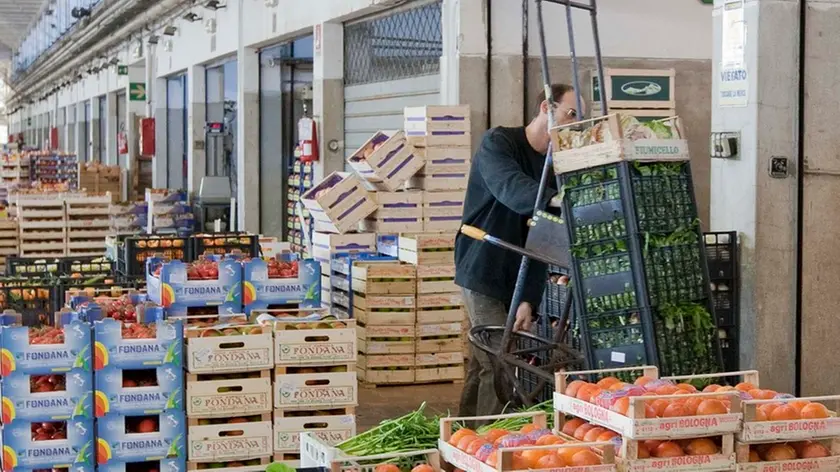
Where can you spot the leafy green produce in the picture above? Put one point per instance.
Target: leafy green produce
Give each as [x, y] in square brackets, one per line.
[515, 424]
[689, 316]
[412, 432]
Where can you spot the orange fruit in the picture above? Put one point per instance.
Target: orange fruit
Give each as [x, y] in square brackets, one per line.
[549, 439]
[666, 390]
[465, 442]
[457, 435]
[621, 405]
[573, 387]
[760, 415]
[528, 428]
[659, 406]
[798, 446]
[593, 394]
[759, 394]
[711, 406]
[423, 468]
[617, 386]
[668, 449]
[643, 452]
[582, 430]
[768, 408]
[585, 391]
[606, 436]
[606, 382]
[814, 450]
[701, 447]
[780, 452]
[691, 404]
[593, 434]
[492, 459]
[532, 456]
[520, 463]
[494, 434]
[745, 387]
[652, 444]
[754, 456]
[814, 411]
[689, 387]
[799, 404]
[784, 413]
[567, 453]
[711, 388]
[550, 461]
[650, 412]
[585, 458]
[675, 410]
[642, 381]
[475, 445]
[386, 468]
[571, 425]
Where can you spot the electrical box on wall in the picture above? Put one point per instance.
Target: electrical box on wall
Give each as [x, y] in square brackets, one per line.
[724, 145]
[147, 137]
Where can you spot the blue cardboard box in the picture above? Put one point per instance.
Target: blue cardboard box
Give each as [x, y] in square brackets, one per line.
[166, 437]
[24, 450]
[139, 392]
[47, 397]
[46, 350]
[260, 290]
[171, 287]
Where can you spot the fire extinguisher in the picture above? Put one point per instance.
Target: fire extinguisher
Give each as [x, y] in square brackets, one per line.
[308, 140]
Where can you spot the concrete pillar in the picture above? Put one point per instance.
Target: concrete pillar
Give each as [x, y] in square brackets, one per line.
[328, 99]
[95, 152]
[82, 135]
[111, 155]
[196, 114]
[159, 169]
[248, 136]
[69, 142]
[133, 110]
[745, 197]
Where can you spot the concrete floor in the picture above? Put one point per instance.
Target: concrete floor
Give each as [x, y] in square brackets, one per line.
[377, 404]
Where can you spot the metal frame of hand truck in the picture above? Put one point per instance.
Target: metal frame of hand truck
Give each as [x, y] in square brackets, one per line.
[508, 359]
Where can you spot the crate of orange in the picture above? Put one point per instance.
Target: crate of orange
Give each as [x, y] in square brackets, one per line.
[531, 447]
[239, 438]
[821, 455]
[316, 453]
[649, 408]
[219, 344]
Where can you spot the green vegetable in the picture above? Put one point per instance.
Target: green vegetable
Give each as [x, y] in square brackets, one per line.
[412, 432]
[515, 424]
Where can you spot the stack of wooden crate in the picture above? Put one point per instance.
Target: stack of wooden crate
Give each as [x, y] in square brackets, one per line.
[9, 242]
[315, 385]
[384, 306]
[88, 223]
[441, 136]
[335, 290]
[99, 178]
[439, 324]
[42, 224]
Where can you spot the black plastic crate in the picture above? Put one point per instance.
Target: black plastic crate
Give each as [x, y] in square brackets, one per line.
[84, 267]
[108, 285]
[722, 254]
[33, 266]
[137, 249]
[637, 252]
[687, 343]
[224, 243]
[35, 299]
[730, 348]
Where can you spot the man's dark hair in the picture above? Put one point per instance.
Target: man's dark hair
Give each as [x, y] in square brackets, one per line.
[557, 92]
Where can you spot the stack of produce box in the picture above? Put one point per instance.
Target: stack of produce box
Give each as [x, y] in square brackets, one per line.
[9, 241]
[439, 331]
[48, 395]
[52, 168]
[280, 281]
[210, 282]
[229, 362]
[315, 385]
[139, 380]
[99, 178]
[299, 181]
[441, 136]
[88, 222]
[168, 211]
[325, 248]
[129, 218]
[42, 223]
[384, 306]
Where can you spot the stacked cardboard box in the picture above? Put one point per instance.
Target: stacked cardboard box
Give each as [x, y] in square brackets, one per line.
[326, 247]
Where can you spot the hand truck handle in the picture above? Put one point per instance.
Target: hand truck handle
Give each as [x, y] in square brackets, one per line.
[473, 232]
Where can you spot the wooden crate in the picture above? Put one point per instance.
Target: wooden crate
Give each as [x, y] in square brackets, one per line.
[635, 88]
[397, 212]
[615, 149]
[386, 339]
[384, 278]
[444, 203]
[387, 160]
[339, 203]
[315, 391]
[444, 159]
[384, 310]
[436, 308]
[436, 367]
[228, 397]
[316, 454]
[723, 460]
[314, 342]
[819, 464]
[331, 430]
[443, 337]
[393, 224]
[324, 245]
[230, 441]
[427, 248]
[386, 369]
[439, 181]
[436, 278]
[228, 354]
[438, 125]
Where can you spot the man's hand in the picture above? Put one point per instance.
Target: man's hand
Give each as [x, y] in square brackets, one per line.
[556, 201]
[523, 317]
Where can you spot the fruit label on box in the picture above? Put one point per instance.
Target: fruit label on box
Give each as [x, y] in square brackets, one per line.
[447, 329]
[137, 392]
[280, 283]
[225, 442]
[440, 358]
[385, 301]
[440, 300]
[685, 463]
[45, 350]
[317, 345]
[378, 331]
[230, 353]
[309, 390]
[330, 430]
[388, 360]
[224, 397]
[124, 439]
[791, 429]
[214, 282]
[137, 346]
[47, 397]
[23, 452]
[433, 271]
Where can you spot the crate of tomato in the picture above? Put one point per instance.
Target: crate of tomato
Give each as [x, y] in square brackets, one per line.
[279, 281]
[137, 249]
[210, 281]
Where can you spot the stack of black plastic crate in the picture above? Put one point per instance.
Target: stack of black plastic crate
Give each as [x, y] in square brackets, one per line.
[639, 271]
[722, 254]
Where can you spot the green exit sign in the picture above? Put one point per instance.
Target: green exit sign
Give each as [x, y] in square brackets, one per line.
[122, 70]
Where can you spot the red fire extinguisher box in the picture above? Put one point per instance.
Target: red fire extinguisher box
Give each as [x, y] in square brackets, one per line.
[147, 137]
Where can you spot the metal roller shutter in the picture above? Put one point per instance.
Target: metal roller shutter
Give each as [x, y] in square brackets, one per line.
[390, 62]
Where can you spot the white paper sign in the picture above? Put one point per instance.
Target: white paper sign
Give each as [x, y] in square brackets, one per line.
[734, 34]
[733, 87]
